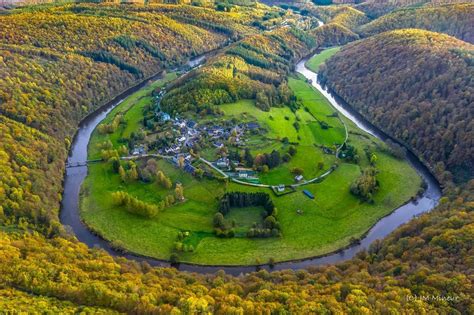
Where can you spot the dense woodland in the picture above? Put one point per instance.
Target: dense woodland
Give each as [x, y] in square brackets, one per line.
[416, 85]
[68, 60]
[341, 24]
[377, 8]
[454, 20]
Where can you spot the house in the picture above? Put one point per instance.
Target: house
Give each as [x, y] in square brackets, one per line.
[181, 139]
[218, 144]
[191, 124]
[308, 194]
[252, 125]
[298, 178]
[188, 168]
[281, 188]
[173, 149]
[223, 162]
[138, 150]
[327, 150]
[243, 174]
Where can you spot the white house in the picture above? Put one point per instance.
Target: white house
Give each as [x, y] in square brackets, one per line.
[298, 178]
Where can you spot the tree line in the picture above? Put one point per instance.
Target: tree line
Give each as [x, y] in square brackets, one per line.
[135, 205]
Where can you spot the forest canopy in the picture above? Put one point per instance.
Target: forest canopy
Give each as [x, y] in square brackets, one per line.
[416, 85]
[454, 20]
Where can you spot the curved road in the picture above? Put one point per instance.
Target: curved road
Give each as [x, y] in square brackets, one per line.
[74, 177]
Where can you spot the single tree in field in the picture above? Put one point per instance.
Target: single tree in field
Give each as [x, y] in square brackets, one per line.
[179, 192]
[123, 175]
[181, 161]
[218, 220]
[373, 159]
[133, 173]
[115, 164]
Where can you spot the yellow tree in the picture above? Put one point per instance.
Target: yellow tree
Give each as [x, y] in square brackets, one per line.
[179, 192]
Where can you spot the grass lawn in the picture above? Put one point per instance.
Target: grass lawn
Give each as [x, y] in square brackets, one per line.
[327, 222]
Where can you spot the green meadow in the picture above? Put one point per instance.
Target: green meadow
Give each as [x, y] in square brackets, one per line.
[314, 63]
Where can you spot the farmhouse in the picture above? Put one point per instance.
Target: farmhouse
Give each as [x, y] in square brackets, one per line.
[252, 125]
[163, 116]
[223, 162]
[298, 178]
[138, 150]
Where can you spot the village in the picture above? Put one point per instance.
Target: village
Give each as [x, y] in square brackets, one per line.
[178, 138]
[182, 140]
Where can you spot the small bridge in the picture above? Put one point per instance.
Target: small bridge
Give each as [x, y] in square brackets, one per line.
[82, 163]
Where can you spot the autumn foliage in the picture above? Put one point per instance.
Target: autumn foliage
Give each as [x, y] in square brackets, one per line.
[416, 85]
[59, 63]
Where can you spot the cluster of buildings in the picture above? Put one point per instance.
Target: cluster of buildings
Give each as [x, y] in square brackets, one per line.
[220, 134]
[188, 133]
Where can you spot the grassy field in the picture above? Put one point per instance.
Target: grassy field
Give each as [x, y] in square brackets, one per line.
[314, 63]
[279, 124]
[244, 218]
[307, 157]
[132, 110]
[326, 223]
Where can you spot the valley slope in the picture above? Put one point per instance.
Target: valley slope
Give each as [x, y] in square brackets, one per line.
[425, 96]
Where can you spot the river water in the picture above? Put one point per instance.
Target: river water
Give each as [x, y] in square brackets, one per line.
[74, 177]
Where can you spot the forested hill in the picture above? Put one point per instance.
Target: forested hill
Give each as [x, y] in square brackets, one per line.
[418, 86]
[377, 8]
[341, 24]
[254, 67]
[455, 20]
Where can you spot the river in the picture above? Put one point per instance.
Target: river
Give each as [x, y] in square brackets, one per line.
[74, 177]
